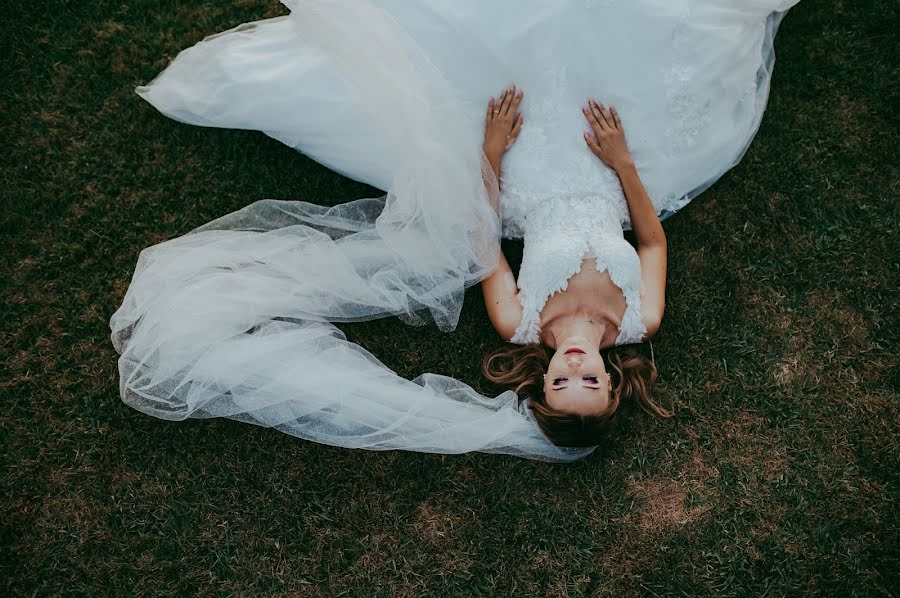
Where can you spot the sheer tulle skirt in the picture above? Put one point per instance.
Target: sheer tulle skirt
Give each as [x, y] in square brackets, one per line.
[234, 318]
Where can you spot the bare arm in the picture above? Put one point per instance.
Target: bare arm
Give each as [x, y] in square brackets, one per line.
[608, 144]
[501, 296]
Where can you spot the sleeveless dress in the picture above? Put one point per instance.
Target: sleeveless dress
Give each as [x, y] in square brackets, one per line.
[235, 318]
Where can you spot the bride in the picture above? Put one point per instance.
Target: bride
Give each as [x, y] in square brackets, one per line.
[234, 319]
[573, 302]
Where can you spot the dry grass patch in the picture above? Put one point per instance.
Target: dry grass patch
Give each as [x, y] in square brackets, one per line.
[664, 504]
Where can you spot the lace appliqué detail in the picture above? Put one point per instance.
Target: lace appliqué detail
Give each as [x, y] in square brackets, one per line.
[535, 171]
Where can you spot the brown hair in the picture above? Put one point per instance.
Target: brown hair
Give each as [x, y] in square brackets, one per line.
[522, 368]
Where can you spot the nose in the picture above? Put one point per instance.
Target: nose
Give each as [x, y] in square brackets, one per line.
[573, 360]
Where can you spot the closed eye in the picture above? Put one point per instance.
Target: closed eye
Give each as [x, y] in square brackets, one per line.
[557, 383]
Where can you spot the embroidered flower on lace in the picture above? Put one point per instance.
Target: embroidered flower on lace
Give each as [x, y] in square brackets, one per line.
[690, 113]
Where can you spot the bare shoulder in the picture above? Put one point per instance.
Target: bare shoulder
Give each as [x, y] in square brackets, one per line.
[653, 283]
[505, 314]
[501, 298]
[652, 322]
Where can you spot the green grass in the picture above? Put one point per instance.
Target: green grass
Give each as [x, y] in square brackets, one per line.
[778, 476]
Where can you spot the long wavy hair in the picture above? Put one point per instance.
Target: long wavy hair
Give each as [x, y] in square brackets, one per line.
[522, 369]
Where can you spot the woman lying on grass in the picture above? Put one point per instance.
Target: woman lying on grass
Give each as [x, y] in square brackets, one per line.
[583, 293]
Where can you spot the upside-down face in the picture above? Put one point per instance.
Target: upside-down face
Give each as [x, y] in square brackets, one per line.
[576, 380]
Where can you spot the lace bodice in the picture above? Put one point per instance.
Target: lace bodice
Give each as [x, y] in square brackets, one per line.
[558, 235]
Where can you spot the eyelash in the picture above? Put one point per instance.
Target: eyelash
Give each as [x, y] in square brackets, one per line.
[588, 378]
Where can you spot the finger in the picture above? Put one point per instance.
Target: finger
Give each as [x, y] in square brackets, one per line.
[507, 100]
[607, 114]
[518, 126]
[592, 119]
[490, 110]
[592, 143]
[615, 116]
[597, 109]
[517, 99]
[513, 92]
[595, 118]
[514, 134]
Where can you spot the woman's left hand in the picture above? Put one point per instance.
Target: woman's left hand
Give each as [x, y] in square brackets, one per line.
[608, 139]
[503, 122]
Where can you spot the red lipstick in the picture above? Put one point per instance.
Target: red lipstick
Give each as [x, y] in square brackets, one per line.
[575, 350]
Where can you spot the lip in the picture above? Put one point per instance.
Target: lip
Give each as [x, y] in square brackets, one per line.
[575, 350]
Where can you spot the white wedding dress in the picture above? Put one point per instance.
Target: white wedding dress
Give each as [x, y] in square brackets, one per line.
[233, 318]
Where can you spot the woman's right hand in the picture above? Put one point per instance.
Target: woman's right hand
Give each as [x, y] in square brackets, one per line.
[503, 122]
[608, 139]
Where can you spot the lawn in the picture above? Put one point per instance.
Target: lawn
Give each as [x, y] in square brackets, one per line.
[778, 476]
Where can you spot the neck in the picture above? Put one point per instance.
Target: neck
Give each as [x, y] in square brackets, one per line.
[575, 327]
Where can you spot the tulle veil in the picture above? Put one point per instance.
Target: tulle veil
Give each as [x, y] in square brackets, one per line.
[234, 319]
